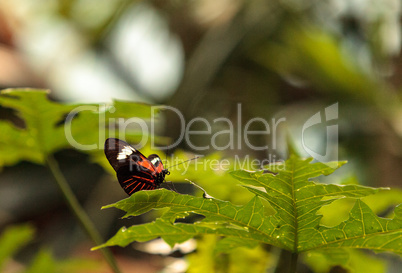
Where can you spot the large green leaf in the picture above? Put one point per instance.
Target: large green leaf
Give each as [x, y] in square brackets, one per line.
[295, 226]
[40, 135]
[221, 217]
[51, 126]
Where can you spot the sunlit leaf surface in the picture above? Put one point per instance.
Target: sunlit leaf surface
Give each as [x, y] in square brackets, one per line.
[294, 226]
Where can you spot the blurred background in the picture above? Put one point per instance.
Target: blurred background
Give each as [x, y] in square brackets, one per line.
[282, 58]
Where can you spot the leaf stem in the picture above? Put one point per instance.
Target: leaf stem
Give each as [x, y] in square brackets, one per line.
[79, 212]
[286, 262]
[293, 262]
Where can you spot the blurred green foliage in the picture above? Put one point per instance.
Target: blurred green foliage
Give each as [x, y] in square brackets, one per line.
[15, 238]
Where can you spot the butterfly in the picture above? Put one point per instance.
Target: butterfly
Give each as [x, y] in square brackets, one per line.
[134, 171]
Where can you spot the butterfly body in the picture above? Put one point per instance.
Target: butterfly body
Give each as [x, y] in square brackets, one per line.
[134, 171]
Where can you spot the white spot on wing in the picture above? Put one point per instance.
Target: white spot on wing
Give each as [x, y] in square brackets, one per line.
[125, 152]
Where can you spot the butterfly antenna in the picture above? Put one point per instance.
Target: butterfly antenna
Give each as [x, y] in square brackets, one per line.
[166, 154]
[185, 161]
[205, 194]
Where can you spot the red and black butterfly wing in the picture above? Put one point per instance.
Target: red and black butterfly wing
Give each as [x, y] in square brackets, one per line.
[133, 181]
[134, 171]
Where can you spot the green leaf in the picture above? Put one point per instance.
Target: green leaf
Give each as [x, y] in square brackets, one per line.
[297, 200]
[383, 200]
[16, 145]
[237, 260]
[229, 243]
[352, 260]
[13, 239]
[51, 126]
[221, 217]
[364, 229]
[43, 263]
[360, 262]
[204, 260]
[380, 203]
[40, 136]
[322, 261]
[211, 172]
[294, 226]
